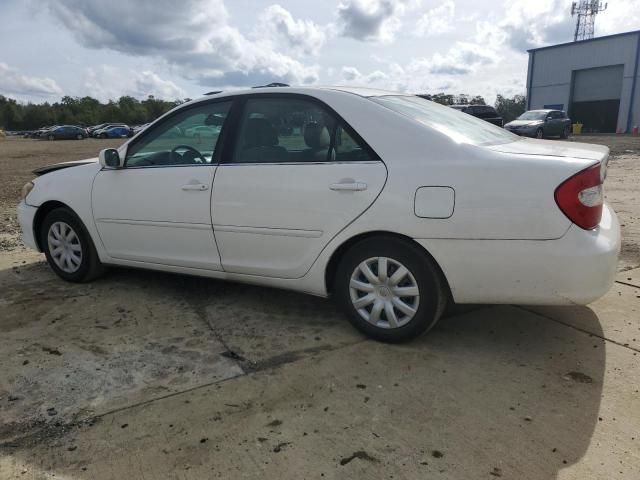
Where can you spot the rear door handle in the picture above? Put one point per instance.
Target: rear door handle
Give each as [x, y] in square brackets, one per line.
[348, 187]
[200, 187]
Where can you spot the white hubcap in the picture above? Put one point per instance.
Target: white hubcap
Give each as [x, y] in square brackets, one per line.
[64, 247]
[384, 292]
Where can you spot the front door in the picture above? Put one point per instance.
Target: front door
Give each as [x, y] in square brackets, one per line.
[156, 209]
[297, 176]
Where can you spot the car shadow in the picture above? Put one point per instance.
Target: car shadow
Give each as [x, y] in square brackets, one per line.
[500, 390]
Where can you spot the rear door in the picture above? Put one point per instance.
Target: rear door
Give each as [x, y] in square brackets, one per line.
[296, 176]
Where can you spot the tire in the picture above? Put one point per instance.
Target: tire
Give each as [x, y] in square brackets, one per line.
[421, 277]
[565, 133]
[102, 135]
[51, 138]
[540, 133]
[84, 264]
[79, 137]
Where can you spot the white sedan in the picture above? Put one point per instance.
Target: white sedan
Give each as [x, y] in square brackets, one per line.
[392, 204]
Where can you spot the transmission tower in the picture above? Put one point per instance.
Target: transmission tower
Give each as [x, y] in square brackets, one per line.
[586, 11]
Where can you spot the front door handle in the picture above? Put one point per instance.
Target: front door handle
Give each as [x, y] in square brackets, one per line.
[348, 187]
[199, 187]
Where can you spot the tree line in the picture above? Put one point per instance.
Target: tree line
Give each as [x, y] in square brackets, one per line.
[508, 108]
[86, 111]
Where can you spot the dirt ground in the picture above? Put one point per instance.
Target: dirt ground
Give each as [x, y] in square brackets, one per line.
[151, 375]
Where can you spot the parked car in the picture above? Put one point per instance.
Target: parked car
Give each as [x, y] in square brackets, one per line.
[391, 204]
[541, 124]
[202, 131]
[485, 112]
[120, 131]
[42, 131]
[139, 128]
[102, 131]
[64, 132]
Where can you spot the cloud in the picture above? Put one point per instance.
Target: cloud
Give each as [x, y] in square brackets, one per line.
[16, 83]
[618, 17]
[196, 38]
[438, 20]
[460, 59]
[107, 82]
[302, 36]
[524, 27]
[351, 75]
[376, 20]
[434, 73]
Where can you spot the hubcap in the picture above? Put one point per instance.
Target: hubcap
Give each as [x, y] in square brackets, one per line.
[384, 292]
[64, 247]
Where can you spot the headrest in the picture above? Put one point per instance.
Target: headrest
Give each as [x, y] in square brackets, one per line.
[260, 133]
[316, 135]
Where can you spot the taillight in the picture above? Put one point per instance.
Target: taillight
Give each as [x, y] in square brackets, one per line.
[581, 197]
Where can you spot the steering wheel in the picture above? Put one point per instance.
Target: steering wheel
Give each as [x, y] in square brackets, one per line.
[199, 158]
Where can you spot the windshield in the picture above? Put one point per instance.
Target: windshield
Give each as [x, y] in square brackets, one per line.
[458, 126]
[533, 116]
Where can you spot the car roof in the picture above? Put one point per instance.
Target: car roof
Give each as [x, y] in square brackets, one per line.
[364, 92]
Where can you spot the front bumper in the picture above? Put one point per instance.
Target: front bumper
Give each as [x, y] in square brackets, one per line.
[26, 214]
[523, 132]
[578, 268]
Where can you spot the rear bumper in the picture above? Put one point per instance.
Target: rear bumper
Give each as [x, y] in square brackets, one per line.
[26, 214]
[578, 268]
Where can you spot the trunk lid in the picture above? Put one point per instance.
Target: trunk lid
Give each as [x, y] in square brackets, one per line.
[549, 148]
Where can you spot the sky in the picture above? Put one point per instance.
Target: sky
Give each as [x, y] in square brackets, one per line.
[182, 49]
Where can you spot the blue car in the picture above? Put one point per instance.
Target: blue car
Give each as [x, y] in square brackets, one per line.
[115, 132]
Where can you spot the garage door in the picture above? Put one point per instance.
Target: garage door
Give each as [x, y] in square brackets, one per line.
[596, 98]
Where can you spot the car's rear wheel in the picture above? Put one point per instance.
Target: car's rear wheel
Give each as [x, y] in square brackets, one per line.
[565, 133]
[79, 136]
[68, 247]
[540, 133]
[390, 289]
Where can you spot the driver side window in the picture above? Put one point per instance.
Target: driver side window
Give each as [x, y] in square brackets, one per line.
[188, 137]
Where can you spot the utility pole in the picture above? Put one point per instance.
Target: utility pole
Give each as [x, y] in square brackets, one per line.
[586, 11]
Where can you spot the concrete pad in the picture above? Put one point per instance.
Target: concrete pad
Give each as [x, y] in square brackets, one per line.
[630, 277]
[72, 351]
[618, 311]
[266, 327]
[495, 393]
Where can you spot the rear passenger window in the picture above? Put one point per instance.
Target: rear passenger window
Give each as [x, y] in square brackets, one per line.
[347, 149]
[292, 130]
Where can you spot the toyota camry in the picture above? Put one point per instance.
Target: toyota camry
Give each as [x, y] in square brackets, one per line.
[393, 205]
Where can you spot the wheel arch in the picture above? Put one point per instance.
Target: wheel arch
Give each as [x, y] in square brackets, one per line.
[41, 214]
[332, 264]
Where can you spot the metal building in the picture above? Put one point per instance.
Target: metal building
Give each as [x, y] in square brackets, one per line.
[593, 80]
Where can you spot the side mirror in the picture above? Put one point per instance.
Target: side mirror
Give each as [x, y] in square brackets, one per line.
[109, 158]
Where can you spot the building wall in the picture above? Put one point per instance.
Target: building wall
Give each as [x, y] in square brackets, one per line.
[551, 69]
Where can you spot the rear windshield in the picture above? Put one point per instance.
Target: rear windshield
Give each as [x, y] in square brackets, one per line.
[460, 127]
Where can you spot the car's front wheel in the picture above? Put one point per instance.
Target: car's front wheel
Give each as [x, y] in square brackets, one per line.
[68, 247]
[390, 289]
[540, 133]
